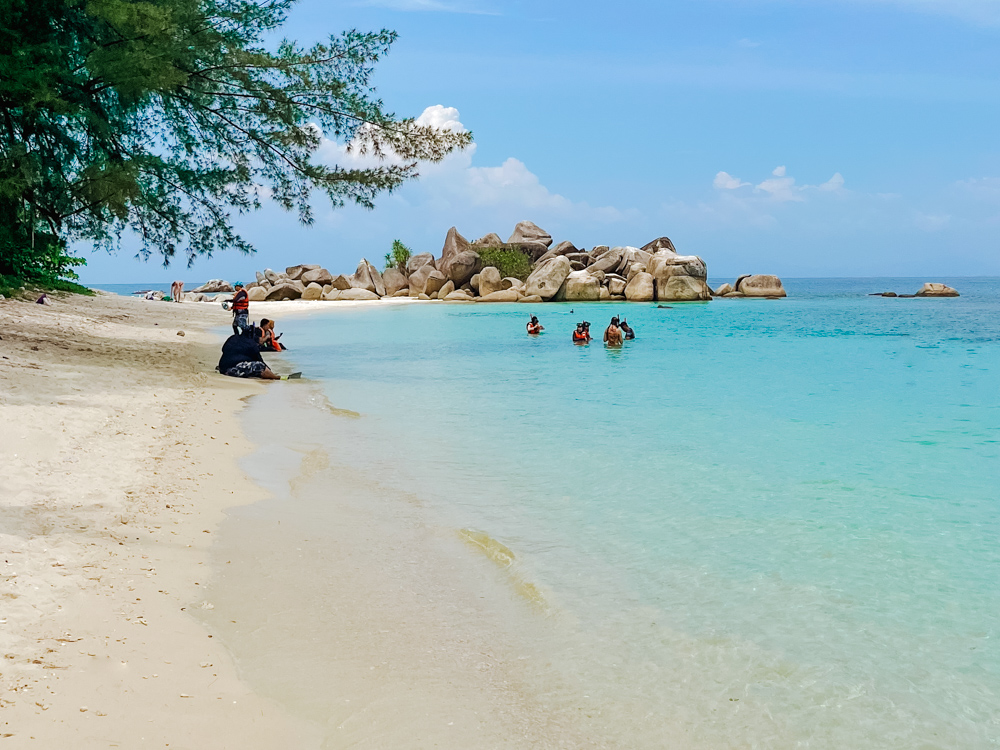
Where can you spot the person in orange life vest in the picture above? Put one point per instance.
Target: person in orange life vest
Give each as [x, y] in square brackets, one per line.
[534, 327]
[241, 308]
[269, 342]
[582, 333]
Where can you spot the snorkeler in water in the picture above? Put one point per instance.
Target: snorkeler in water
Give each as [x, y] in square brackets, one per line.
[534, 327]
[627, 330]
[582, 333]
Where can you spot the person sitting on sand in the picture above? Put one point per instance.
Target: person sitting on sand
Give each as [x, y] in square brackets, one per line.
[269, 342]
[534, 327]
[241, 357]
[240, 306]
[177, 291]
[613, 334]
[582, 334]
[627, 330]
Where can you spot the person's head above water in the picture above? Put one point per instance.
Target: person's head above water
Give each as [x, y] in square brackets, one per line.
[614, 321]
[534, 320]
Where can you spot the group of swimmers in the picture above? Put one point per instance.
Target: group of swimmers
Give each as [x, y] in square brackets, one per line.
[617, 332]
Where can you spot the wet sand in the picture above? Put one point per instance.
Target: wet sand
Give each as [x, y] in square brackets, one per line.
[120, 452]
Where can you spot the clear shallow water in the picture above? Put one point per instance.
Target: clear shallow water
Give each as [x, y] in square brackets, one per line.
[762, 523]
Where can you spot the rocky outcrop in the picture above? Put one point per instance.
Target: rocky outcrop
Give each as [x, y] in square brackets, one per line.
[529, 233]
[454, 245]
[661, 243]
[610, 260]
[678, 278]
[502, 295]
[547, 278]
[285, 289]
[316, 276]
[257, 294]
[459, 295]
[418, 279]
[579, 286]
[312, 291]
[356, 293]
[640, 288]
[394, 280]
[463, 266]
[434, 283]
[418, 261]
[271, 276]
[295, 272]
[760, 286]
[368, 277]
[448, 288]
[488, 240]
[723, 290]
[932, 289]
[682, 289]
[341, 282]
[214, 287]
[489, 281]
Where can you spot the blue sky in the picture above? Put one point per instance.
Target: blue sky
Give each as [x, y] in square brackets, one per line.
[797, 137]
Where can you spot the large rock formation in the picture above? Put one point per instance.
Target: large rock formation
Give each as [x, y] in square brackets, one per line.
[661, 243]
[418, 261]
[489, 281]
[316, 276]
[463, 266]
[214, 287]
[295, 272]
[368, 277]
[579, 286]
[356, 293]
[312, 291]
[666, 267]
[547, 278]
[640, 288]
[488, 240]
[502, 295]
[454, 245]
[529, 233]
[932, 289]
[257, 294]
[760, 286]
[394, 280]
[286, 289]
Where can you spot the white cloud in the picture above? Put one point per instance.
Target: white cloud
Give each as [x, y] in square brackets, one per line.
[457, 187]
[725, 181]
[779, 172]
[834, 184]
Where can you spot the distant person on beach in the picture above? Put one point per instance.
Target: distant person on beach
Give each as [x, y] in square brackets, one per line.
[177, 291]
[241, 357]
[582, 333]
[269, 342]
[613, 334]
[43, 300]
[627, 330]
[241, 308]
[534, 327]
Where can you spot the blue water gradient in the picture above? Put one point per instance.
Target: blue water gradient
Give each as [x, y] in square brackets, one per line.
[793, 503]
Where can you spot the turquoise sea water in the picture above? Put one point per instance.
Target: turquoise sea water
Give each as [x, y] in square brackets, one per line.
[760, 524]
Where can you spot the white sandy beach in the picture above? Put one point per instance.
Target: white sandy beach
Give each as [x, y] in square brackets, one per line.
[119, 452]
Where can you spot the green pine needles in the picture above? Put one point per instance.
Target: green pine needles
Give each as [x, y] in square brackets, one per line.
[164, 117]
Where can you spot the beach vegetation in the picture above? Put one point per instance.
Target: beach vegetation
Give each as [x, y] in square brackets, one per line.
[163, 118]
[398, 257]
[509, 260]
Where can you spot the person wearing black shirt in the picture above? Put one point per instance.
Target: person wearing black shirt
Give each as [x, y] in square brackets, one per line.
[241, 357]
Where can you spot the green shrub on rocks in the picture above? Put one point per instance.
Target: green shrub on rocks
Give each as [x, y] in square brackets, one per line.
[398, 257]
[509, 260]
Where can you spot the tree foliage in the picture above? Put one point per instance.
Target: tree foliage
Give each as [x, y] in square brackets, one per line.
[166, 116]
[509, 260]
[398, 257]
